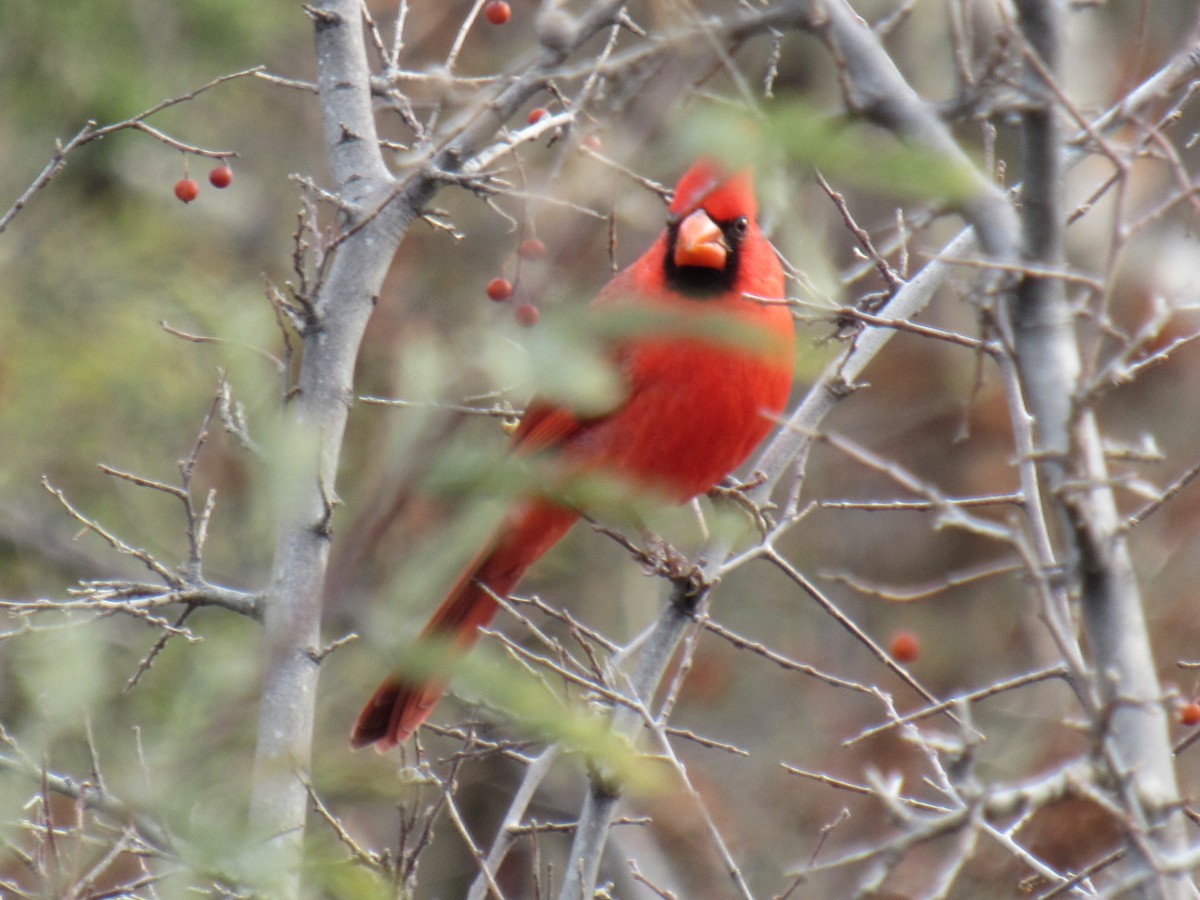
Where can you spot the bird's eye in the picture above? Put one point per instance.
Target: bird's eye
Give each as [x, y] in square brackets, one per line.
[740, 226]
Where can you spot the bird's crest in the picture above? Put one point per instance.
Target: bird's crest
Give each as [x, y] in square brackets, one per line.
[723, 196]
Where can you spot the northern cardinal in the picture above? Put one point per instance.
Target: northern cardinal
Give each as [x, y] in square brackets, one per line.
[693, 409]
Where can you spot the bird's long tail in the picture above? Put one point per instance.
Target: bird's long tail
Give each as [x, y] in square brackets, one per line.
[402, 703]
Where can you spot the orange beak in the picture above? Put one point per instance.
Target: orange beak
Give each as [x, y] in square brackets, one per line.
[700, 242]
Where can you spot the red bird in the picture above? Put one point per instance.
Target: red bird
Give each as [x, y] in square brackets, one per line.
[693, 409]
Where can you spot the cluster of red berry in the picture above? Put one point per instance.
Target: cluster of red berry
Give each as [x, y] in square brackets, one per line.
[501, 289]
[187, 190]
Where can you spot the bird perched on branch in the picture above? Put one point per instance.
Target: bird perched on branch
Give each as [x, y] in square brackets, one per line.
[693, 407]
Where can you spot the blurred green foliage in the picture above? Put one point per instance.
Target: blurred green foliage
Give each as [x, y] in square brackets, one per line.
[91, 266]
[848, 153]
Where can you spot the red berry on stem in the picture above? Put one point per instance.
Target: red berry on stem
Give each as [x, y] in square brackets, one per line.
[526, 314]
[592, 142]
[221, 176]
[906, 647]
[498, 12]
[187, 190]
[499, 289]
[537, 115]
[532, 249]
[1189, 713]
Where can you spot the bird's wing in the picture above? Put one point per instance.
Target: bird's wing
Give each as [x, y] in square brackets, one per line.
[544, 425]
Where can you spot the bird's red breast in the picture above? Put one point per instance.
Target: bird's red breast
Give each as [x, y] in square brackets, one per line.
[711, 378]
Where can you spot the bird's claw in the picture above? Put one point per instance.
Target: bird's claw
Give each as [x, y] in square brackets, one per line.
[661, 558]
[737, 492]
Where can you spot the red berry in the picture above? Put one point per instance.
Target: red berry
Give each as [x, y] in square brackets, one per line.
[526, 314]
[498, 12]
[537, 115]
[532, 249]
[592, 142]
[221, 176]
[187, 190]
[906, 647]
[499, 289]
[1189, 713]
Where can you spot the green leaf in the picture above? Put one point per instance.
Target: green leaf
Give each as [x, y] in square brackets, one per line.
[846, 153]
[534, 708]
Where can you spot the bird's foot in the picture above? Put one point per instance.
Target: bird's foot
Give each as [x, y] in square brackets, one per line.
[660, 558]
[738, 493]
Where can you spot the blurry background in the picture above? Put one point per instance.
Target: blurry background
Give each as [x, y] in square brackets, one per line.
[88, 375]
